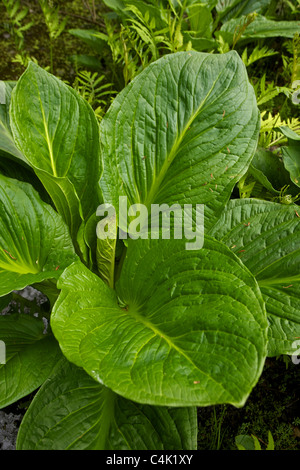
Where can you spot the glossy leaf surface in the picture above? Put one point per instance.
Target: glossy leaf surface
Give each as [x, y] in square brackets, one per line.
[266, 236]
[183, 327]
[73, 412]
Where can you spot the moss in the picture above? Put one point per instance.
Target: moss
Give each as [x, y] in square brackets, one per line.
[36, 41]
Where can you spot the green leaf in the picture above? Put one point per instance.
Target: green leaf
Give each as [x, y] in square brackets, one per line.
[86, 62]
[34, 241]
[145, 9]
[90, 237]
[183, 131]
[228, 9]
[129, 8]
[58, 133]
[65, 199]
[201, 20]
[89, 36]
[210, 4]
[7, 146]
[291, 154]
[73, 412]
[199, 44]
[257, 445]
[183, 328]
[30, 356]
[106, 251]
[4, 302]
[268, 169]
[244, 442]
[14, 170]
[261, 52]
[117, 5]
[271, 444]
[266, 236]
[261, 27]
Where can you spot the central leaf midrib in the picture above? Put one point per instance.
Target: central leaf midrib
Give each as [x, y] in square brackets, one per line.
[141, 319]
[278, 281]
[170, 158]
[48, 140]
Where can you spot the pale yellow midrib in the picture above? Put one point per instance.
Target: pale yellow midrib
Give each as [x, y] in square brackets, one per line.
[169, 158]
[49, 144]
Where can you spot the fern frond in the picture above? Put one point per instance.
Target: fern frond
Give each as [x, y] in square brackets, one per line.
[91, 87]
[267, 91]
[257, 54]
[270, 135]
[16, 14]
[53, 21]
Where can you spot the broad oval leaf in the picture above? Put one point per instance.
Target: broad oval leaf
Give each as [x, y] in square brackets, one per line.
[7, 145]
[183, 131]
[73, 412]
[266, 236]
[57, 131]
[183, 328]
[260, 28]
[291, 154]
[34, 241]
[31, 355]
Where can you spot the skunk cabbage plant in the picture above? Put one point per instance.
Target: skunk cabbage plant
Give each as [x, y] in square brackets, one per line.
[144, 326]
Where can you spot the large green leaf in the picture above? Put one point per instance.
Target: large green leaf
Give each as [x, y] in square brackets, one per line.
[228, 9]
[35, 242]
[73, 412]
[183, 131]
[7, 145]
[261, 27]
[183, 328]
[58, 133]
[266, 236]
[12, 162]
[31, 354]
[291, 154]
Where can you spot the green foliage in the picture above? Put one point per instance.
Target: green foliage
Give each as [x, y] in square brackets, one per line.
[268, 91]
[141, 332]
[291, 64]
[54, 23]
[257, 54]
[89, 85]
[127, 312]
[18, 24]
[270, 133]
[244, 442]
[291, 154]
[72, 197]
[253, 229]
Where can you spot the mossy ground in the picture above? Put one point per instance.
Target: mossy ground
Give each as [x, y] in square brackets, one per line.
[36, 41]
[273, 405]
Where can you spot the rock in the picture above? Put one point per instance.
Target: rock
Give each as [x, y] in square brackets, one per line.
[9, 425]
